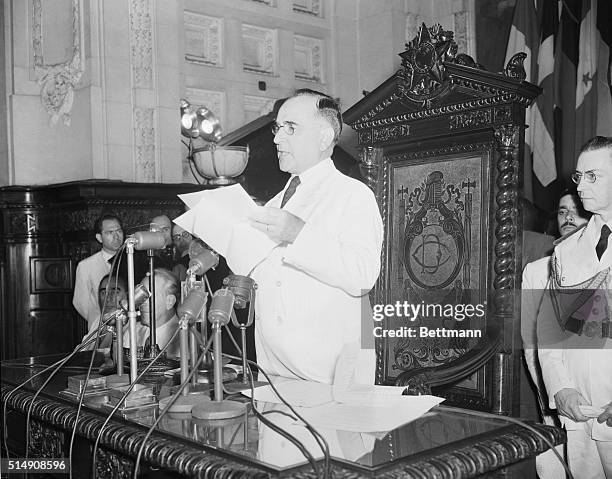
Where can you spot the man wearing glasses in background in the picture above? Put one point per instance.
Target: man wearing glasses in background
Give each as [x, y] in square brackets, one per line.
[89, 272]
[329, 231]
[574, 329]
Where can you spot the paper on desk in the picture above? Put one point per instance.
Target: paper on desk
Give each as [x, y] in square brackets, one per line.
[370, 419]
[220, 218]
[296, 392]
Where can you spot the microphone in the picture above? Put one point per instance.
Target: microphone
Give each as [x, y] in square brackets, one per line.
[202, 262]
[221, 307]
[141, 294]
[242, 287]
[192, 305]
[148, 240]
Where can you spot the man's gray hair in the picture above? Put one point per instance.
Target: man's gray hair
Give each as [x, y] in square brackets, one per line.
[327, 107]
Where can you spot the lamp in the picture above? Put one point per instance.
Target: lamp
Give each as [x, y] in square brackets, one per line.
[218, 165]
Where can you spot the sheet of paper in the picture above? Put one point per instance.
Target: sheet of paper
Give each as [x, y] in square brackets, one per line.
[220, 218]
[296, 392]
[370, 419]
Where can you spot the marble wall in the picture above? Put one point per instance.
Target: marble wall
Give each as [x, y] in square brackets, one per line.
[93, 86]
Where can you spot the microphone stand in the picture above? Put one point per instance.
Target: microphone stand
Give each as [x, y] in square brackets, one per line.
[141, 395]
[244, 289]
[153, 348]
[219, 408]
[196, 300]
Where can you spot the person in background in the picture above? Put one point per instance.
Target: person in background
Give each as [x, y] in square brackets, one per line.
[570, 217]
[574, 338]
[329, 234]
[109, 233]
[536, 244]
[167, 297]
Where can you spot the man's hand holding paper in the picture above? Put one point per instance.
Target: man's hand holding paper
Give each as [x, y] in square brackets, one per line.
[220, 218]
[279, 225]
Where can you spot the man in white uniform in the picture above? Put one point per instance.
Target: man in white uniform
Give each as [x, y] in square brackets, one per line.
[577, 371]
[570, 217]
[311, 287]
[90, 271]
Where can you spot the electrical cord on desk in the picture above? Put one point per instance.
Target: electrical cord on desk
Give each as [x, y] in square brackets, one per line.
[125, 395]
[536, 432]
[51, 376]
[296, 442]
[175, 396]
[57, 364]
[114, 266]
[322, 443]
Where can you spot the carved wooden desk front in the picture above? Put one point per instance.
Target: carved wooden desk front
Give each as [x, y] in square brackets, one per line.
[445, 443]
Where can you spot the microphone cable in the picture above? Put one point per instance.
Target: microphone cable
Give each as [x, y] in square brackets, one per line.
[58, 365]
[125, 395]
[321, 441]
[175, 396]
[114, 267]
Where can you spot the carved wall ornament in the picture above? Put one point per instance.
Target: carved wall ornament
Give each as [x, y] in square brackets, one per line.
[308, 58]
[259, 47]
[203, 39]
[58, 81]
[311, 7]
[144, 144]
[141, 43]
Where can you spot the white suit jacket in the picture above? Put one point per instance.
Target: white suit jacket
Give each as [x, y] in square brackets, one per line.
[310, 293]
[89, 272]
[589, 371]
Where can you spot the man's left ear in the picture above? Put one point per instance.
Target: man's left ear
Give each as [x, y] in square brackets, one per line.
[327, 138]
[170, 301]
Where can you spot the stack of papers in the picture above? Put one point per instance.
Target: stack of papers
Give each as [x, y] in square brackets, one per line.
[348, 406]
[220, 218]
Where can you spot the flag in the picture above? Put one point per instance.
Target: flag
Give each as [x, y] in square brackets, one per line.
[572, 45]
[526, 36]
[593, 98]
[566, 63]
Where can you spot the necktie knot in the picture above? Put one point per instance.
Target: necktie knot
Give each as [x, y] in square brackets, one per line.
[602, 244]
[290, 191]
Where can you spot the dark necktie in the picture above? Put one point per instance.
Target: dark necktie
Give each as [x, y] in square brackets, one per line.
[602, 244]
[290, 191]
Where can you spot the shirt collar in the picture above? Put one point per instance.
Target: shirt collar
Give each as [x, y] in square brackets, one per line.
[106, 255]
[316, 173]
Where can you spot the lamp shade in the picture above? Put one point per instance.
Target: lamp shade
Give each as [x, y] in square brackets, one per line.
[220, 165]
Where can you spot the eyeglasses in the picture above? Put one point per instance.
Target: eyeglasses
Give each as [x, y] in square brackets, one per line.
[287, 126]
[589, 176]
[178, 236]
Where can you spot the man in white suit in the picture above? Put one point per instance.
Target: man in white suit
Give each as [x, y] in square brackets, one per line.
[570, 217]
[312, 286]
[89, 272]
[574, 331]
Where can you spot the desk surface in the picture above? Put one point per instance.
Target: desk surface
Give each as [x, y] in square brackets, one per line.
[446, 442]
